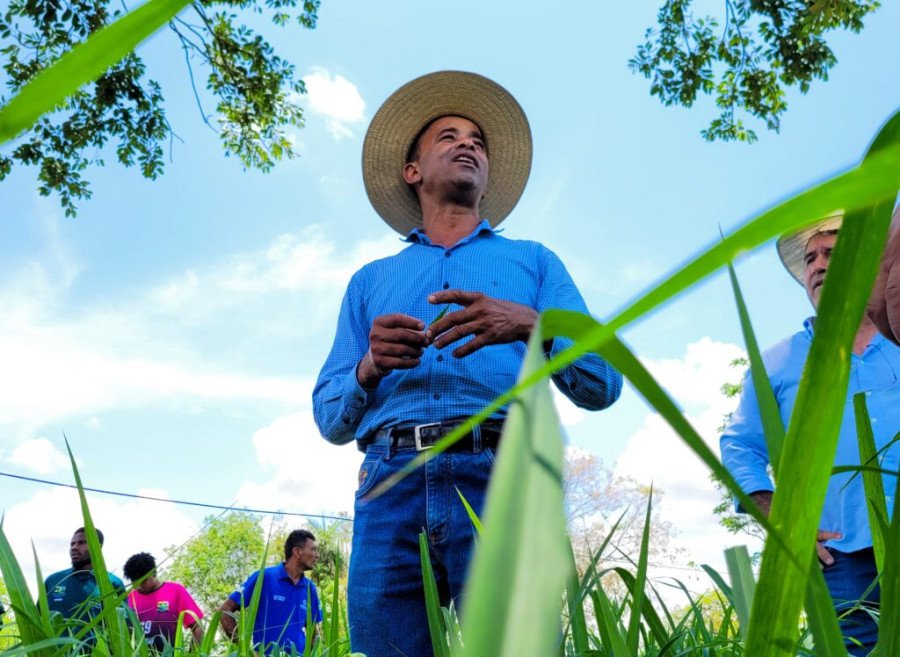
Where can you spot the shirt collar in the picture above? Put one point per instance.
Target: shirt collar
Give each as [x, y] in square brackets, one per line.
[809, 326]
[418, 236]
[283, 574]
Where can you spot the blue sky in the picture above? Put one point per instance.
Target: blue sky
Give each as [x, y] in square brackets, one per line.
[173, 331]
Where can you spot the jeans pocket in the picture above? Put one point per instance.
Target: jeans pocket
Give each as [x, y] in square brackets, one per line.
[369, 471]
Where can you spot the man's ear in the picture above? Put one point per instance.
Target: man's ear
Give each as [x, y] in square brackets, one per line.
[411, 174]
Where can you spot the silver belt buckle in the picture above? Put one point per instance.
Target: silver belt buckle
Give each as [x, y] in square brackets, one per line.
[417, 435]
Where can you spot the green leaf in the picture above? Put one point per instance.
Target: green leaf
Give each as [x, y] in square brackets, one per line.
[436, 627]
[510, 612]
[765, 397]
[82, 64]
[743, 585]
[873, 483]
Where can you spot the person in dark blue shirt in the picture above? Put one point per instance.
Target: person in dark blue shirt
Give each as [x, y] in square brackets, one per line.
[74, 592]
[430, 336]
[286, 599]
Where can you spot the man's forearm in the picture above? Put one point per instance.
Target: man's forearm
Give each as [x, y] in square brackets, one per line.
[228, 624]
[763, 501]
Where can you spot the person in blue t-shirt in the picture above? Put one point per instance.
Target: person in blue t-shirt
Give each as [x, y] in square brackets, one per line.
[286, 600]
[74, 593]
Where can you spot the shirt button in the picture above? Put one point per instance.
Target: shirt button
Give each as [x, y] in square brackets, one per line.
[439, 358]
[446, 285]
[446, 254]
[436, 396]
[346, 420]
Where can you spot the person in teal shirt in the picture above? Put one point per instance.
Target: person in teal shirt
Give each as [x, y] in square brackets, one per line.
[69, 590]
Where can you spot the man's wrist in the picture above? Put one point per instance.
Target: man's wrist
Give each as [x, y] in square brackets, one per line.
[367, 375]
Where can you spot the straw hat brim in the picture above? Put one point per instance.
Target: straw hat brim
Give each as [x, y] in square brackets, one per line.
[792, 247]
[419, 102]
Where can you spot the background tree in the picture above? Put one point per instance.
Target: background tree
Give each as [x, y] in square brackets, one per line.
[218, 559]
[596, 498]
[255, 91]
[746, 56]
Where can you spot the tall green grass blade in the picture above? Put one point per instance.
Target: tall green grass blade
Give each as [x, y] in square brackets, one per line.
[110, 599]
[609, 625]
[743, 585]
[333, 632]
[209, 638]
[637, 593]
[768, 406]
[436, 627]
[797, 504]
[510, 612]
[31, 627]
[575, 607]
[821, 617]
[473, 517]
[43, 606]
[651, 617]
[889, 624]
[873, 483]
[720, 582]
[83, 63]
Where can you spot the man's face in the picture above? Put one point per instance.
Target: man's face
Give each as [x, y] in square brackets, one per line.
[307, 554]
[451, 153]
[818, 255]
[78, 551]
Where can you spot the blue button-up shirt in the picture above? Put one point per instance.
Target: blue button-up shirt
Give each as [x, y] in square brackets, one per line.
[876, 373]
[443, 388]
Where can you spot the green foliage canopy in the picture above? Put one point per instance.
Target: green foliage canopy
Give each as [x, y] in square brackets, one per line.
[763, 47]
[256, 90]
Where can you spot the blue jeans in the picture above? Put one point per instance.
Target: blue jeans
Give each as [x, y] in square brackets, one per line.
[385, 598]
[847, 579]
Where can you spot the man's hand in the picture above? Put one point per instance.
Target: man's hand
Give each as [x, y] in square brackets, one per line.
[490, 320]
[227, 620]
[763, 500]
[884, 304]
[395, 343]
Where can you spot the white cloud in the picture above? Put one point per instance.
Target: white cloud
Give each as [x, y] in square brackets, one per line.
[153, 346]
[305, 474]
[49, 518]
[569, 413]
[337, 99]
[654, 453]
[38, 455]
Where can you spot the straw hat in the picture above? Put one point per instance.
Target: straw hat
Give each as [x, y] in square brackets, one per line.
[416, 104]
[792, 246]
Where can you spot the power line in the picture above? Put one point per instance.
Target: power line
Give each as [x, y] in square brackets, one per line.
[171, 501]
[266, 512]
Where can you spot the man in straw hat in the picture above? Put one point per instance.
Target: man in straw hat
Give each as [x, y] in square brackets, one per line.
[445, 160]
[844, 545]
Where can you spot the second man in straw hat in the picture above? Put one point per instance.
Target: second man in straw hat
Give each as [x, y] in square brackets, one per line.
[844, 544]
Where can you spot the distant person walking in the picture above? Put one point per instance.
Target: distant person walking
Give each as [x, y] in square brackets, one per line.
[73, 592]
[286, 599]
[159, 604]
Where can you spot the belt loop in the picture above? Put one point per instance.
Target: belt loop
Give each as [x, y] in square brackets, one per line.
[476, 439]
[391, 444]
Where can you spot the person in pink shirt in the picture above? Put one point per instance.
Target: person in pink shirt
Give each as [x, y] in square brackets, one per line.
[158, 604]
